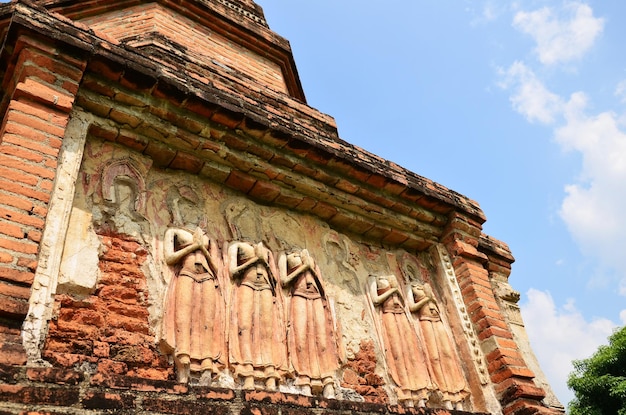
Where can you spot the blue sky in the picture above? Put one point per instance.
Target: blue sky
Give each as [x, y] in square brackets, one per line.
[518, 105]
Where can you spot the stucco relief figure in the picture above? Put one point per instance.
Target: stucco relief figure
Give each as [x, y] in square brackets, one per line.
[444, 361]
[257, 334]
[403, 352]
[194, 310]
[311, 339]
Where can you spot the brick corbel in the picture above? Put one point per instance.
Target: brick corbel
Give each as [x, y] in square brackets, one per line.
[509, 374]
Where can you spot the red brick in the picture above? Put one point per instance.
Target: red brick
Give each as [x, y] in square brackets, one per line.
[27, 247]
[71, 87]
[66, 396]
[486, 322]
[18, 202]
[78, 330]
[34, 236]
[500, 353]
[489, 307]
[28, 263]
[28, 192]
[501, 363]
[471, 274]
[279, 398]
[137, 384]
[67, 360]
[12, 353]
[40, 111]
[12, 307]
[486, 299]
[19, 164]
[187, 162]
[46, 185]
[264, 191]
[112, 367]
[180, 407]
[12, 274]
[215, 394]
[227, 118]
[129, 324]
[516, 388]
[132, 140]
[45, 94]
[31, 143]
[108, 70]
[527, 407]
[50, 163]
[6, 258]
[40, 211]
[18, 176]
[494, 332]
[31, 56]
[34, 71]
[507, 344]
[108, 401]
[82, 316]
[10, 229]
[54, 375]
[25, 154]
[240, 181]
[14, 291]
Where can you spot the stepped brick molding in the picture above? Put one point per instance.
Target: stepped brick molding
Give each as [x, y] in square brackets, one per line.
[181, 232]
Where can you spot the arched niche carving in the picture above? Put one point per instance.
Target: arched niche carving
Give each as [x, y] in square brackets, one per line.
[119, 175]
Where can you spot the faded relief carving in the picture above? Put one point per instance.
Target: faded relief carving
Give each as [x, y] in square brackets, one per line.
[194, 311]
[257, 334]
[445, 364]
[311, 339]
[406, 363]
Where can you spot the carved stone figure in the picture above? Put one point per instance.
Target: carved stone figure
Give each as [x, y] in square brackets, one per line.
[403, 352]
[194, 311]
[444, 361]
[311, 338]
[257, 334]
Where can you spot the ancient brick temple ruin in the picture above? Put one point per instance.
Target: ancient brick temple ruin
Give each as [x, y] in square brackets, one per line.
[181, 233]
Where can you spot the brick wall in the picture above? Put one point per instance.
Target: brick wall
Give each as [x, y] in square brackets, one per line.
[41, 87]
[139, 22]
[23, 390]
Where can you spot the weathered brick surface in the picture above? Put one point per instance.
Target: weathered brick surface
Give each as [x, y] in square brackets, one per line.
[28, 390]
[360, 375]
[507, 369]
[110, 328]
[39, 94]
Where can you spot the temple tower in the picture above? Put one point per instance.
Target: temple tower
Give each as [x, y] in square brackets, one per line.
[181, 232]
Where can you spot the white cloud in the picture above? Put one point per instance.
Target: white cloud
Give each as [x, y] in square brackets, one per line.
[559, 335]
[561, 35]
[622, 316]
[620, 91]
[529, 96]
[595, 201]
[489, 12]
[593, 208]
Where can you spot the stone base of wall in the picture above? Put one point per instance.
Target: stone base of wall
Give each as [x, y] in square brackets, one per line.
[24, 390]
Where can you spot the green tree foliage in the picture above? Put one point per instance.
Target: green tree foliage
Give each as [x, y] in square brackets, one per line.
[599, 382]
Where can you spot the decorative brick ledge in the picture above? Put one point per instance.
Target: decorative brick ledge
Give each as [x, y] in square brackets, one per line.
[70, 391]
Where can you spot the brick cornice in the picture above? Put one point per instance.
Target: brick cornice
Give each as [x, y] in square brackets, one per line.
[307, 136]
